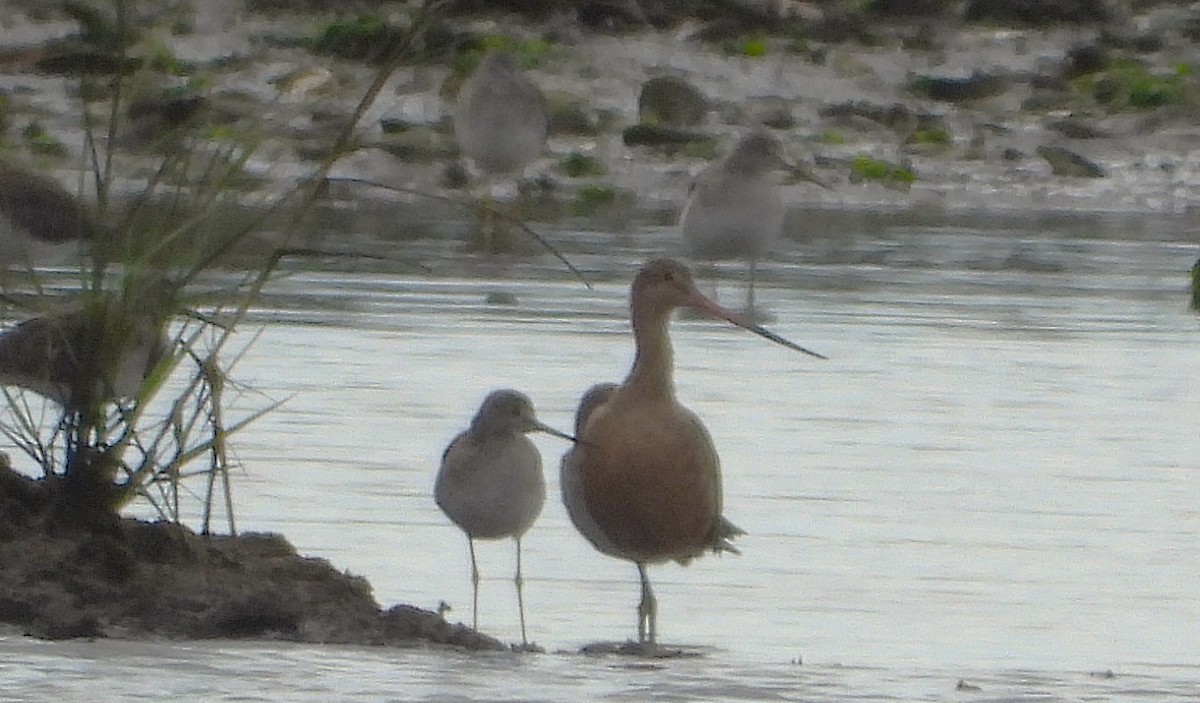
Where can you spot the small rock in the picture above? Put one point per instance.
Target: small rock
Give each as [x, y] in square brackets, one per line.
[69, 61]
[671, 101]
[1140, 42]
[568, 114]
[1077, 128]
[1037, 13]
[1064, 162]
[391, 125]
[1047, 101]
[658, 135]
[908, 8]
[152, 118]
[897, 117]
[954, 89]
[171, 107]
[1086, 59]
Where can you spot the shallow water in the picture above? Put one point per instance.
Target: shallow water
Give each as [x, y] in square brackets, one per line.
[993, 478]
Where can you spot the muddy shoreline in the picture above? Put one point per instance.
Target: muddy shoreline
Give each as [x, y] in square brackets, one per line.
[158, 579]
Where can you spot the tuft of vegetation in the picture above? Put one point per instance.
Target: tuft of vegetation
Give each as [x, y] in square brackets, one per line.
[529, 52]
[160, 58]
[129, 394]
[865, 168]
[364, 37]
[593, 195]
[591, 198]
[577, 165]
[936, 136]
[831, 136]
[753, 47]
[41, 142]
[1128, 85]
[567, 114]
[707, 149]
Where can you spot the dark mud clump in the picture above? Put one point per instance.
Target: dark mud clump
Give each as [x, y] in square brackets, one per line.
[159, 579]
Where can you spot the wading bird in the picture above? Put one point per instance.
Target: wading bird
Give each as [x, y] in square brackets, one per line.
[500, 123]
[734, 208]
[643, 481]
[40, 221]
[490, 482]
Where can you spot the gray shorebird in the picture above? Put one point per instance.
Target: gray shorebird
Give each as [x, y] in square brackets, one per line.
[40, 221]
[500, 122]
[99, 351]
[490, 483]
[734, 209]
[643, 481]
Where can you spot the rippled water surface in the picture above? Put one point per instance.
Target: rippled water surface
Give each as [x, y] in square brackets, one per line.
[994, 478]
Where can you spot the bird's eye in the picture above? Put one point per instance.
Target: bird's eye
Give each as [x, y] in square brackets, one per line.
[669, 276]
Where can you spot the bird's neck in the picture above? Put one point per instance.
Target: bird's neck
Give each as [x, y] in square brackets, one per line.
[653, 366]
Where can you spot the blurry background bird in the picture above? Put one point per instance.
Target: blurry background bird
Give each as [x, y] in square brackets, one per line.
[500, 123]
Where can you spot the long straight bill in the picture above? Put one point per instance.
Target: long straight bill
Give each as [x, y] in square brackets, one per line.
[703, 304]
[550, 430]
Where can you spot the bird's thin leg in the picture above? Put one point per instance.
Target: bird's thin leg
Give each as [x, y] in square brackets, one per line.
[474, 585]
[518, 208]
[520, 594]
[488, 226]
[653, 617]
[647, 610]
[750, 290]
